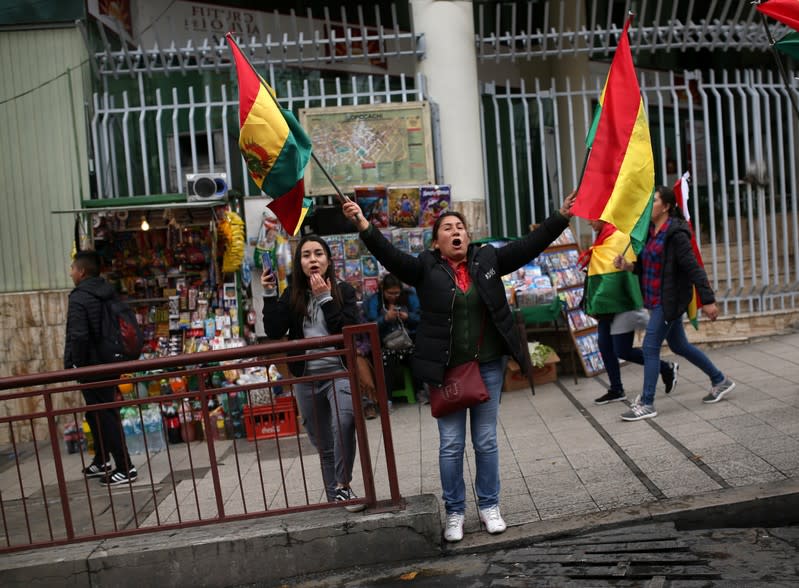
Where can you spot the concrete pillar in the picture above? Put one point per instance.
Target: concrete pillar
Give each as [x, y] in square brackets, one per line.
[450, 68]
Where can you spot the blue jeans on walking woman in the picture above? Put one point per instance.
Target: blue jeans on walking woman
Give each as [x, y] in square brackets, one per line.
[674, 333]
[452, 442]
[616, 347]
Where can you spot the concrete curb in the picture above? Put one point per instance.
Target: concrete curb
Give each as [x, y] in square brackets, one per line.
[259, 550]
[271, 549]
[774, 503]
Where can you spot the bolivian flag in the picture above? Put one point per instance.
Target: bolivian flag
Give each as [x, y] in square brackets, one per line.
[274, 145]
[681, 193]
[609, 290]
[618, 182]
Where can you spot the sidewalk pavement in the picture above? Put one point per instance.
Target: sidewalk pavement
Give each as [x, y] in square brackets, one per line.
[566, 465]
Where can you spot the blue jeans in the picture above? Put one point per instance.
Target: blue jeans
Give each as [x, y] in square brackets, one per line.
[327, 416]
[616, 347]
[673, 332]
[452, 441]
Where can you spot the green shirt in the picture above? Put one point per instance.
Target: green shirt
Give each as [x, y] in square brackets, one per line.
[467, 315]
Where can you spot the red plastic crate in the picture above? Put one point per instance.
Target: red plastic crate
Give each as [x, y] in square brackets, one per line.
[271, 420]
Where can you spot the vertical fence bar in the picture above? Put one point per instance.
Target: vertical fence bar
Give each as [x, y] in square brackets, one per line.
[59, 469]
[513, 157]
[143, 134]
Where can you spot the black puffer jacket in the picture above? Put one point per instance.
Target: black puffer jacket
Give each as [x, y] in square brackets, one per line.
[279, 318]
[681, 272]
[84, 313]
[435, 285]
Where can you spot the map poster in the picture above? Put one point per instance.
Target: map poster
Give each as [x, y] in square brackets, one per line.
[434, 200]
[374, 204]
[403, 206]
[374, 144]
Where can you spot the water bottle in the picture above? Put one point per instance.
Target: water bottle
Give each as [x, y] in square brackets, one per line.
[132, 429]
[153, 428]
[275, 375]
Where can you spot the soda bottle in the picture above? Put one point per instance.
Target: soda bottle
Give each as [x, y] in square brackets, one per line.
[87, 434]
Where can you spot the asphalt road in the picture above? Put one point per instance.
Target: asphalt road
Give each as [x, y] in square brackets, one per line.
[653, 555]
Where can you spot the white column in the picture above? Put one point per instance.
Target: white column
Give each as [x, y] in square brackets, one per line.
[450, 68]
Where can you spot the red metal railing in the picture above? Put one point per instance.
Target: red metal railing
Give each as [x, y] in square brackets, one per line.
[46, 500]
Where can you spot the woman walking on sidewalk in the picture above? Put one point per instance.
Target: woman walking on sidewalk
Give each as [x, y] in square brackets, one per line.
[465, 314]
[616, 306]
[668, 271]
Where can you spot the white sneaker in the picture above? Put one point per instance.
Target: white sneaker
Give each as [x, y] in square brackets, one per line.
[454, 529]
[492, 520]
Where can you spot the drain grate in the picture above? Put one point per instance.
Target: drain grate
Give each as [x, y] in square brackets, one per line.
[652, 553]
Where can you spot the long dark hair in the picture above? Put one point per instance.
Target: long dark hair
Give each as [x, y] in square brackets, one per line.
[668, 197]
[441, 218]
[392, 281]
[300, 284]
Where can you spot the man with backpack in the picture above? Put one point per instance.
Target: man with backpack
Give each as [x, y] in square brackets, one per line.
[87, 343]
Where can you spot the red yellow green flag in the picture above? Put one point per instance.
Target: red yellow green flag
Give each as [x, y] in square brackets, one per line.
[609, 290]
[274, 145]
[619, 177]
[682, 192]
[785, 11]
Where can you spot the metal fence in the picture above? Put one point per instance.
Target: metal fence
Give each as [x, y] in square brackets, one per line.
[255, 462]
[145, 142]
[735, 132]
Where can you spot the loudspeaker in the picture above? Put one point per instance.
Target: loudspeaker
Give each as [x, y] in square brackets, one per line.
[205, 187]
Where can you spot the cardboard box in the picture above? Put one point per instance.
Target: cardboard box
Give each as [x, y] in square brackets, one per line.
[516, 380]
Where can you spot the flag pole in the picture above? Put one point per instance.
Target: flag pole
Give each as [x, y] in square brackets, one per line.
[342, 197]
[780, 66]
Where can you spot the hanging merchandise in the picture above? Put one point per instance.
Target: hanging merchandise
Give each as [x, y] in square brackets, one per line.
[232, 228]
[267, 236]
[273, 242]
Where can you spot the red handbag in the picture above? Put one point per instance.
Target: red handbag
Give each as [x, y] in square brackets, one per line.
[463, 386]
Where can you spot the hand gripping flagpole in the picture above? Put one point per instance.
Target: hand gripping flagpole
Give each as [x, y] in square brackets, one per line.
[341, 196]
[780, 66]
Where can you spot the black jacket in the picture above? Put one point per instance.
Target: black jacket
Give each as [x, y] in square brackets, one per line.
[681, 272]
[279, 318]
[84, 314]
[435, 286]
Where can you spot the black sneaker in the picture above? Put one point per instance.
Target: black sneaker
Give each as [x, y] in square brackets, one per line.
[119, 477]
[95, 470]
[344, 494]
[611, 396]
[670, 378]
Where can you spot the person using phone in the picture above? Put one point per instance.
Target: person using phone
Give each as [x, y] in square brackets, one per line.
[315, 304]
[393, 307]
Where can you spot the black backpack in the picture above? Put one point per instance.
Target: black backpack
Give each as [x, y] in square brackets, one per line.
[121, 338]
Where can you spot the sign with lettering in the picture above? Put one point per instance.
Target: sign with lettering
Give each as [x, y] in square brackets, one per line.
[196, 21]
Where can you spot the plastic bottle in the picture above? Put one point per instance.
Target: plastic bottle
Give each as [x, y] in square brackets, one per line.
[132, 430]
[220, 427]
[153, 428]
[275, 375]
[172, 424]
[87, 433]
